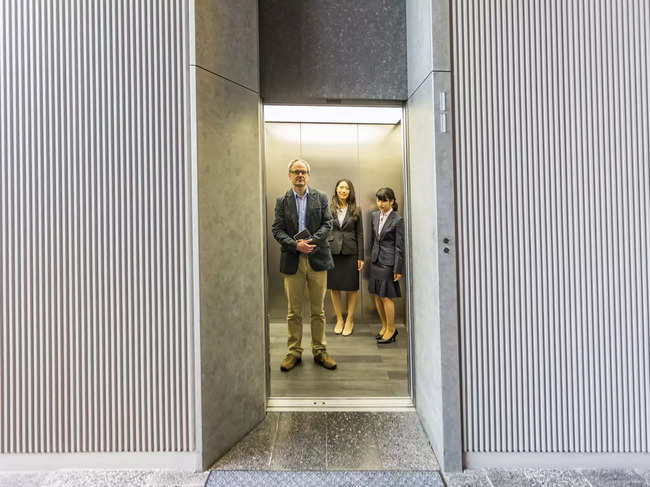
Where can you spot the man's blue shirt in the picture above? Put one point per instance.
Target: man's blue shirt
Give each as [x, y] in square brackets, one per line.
[301, 206]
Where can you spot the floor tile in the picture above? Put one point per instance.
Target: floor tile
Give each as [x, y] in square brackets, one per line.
[613, 478]
[351, 442]
[544, 477]
[362, 366]
[468, 478]
[397, 375]
[176, 479]
[645, 474]
[24, 479]
[300, 442]
[96, 478]
[507, 478]
[254, 450]
[339, 479]
[402, 442]
[342, 358]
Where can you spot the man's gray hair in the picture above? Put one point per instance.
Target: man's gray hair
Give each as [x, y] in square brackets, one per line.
[300, 160]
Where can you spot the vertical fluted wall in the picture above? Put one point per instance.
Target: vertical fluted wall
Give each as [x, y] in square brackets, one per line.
[96, 340]
[553, 178]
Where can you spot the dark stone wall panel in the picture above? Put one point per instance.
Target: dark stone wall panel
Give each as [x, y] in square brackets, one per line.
[230, 267]
[227, 39]
[317, 49]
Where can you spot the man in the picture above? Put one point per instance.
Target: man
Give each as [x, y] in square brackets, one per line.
[304, 259]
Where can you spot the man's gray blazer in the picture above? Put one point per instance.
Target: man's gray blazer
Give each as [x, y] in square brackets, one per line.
[318, 220]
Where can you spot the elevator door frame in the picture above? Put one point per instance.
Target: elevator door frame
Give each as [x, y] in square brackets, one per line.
[351, 403]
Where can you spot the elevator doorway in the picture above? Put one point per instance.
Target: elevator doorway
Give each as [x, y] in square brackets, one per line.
[371, 155]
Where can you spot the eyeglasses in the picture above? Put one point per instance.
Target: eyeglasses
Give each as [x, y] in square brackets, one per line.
[299, 172]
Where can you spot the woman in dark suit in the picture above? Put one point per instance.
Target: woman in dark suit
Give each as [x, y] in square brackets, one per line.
[346, 245]
[386, 265]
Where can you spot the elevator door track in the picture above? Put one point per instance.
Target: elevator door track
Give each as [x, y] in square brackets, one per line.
[374, 404]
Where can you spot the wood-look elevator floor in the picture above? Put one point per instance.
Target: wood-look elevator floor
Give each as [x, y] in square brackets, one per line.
[364, 369]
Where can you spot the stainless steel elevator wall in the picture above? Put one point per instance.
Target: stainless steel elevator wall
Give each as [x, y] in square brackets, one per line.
[369, 155]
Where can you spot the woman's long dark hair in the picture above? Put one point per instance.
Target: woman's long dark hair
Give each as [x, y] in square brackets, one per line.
[387, 194]
[335, 204]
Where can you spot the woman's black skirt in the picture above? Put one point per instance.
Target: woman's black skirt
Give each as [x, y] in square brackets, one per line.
[380, 281]
[344, 276]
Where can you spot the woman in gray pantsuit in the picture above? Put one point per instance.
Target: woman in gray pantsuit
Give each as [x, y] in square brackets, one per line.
[346, 245]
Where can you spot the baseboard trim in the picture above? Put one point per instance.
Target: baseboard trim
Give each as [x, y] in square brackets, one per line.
[179, 461]
[374, 404]
[556, 460]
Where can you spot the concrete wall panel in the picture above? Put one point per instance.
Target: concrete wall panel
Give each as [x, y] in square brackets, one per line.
[317, 49]
[435, 323]
[230, 262]
[424, 259]
[419, 42]
[227, 39]
[436, 359]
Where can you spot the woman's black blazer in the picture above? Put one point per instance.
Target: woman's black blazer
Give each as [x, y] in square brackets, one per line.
[347, 239]
[387, 249]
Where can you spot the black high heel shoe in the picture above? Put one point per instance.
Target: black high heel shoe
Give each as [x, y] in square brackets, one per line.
[388, 340]
[378, 336]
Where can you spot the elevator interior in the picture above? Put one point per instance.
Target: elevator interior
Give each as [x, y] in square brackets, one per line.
[371, 156]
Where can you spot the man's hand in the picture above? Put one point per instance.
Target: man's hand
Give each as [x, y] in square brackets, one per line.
[397, 277]
[359, 265]
[304, 247]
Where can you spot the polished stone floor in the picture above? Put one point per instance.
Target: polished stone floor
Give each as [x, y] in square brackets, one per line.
[336, 448]
[327, 441]
[469, 478]
[103, 478]
[364, 369]
[530, 477]
[329, 478]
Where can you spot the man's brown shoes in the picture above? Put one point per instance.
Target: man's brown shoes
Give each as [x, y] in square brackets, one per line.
[325, 360]
[289, 362]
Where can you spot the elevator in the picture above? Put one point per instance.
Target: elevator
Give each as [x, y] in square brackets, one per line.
[371, 155]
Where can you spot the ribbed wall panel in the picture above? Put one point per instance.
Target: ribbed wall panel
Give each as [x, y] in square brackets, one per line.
[553, 180]
[96, 339]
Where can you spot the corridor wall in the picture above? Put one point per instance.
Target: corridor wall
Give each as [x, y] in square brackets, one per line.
[553, 178]
[230, 222]
[127, 132]
[96, 304]
[432, 229]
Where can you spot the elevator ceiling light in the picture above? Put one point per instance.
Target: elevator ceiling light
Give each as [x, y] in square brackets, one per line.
[327, 114]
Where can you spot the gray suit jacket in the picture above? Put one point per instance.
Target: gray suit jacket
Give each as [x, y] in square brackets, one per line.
[318, 222]
[387, 249]
[347, 239]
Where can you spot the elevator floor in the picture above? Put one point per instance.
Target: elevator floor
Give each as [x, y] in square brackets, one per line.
[364, 369]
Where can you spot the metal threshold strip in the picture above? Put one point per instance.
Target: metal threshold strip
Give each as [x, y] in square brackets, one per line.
[375, 404]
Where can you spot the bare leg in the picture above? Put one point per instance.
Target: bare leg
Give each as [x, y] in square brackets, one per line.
[336, 301]
[389, 309]
[382, 314]
[353, 297]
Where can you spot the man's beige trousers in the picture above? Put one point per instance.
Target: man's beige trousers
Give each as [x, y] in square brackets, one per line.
[294, 287]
